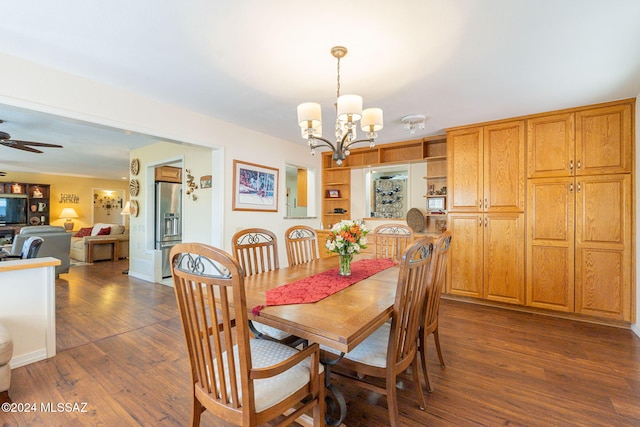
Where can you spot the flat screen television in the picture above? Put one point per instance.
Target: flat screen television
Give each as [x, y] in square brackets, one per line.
[13, 210]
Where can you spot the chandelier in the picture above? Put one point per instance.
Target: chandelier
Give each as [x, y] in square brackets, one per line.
[349, 111]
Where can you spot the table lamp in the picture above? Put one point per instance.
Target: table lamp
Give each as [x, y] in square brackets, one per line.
[68, 213]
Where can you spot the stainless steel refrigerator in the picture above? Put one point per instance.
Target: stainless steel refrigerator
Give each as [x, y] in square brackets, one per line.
[168, 222]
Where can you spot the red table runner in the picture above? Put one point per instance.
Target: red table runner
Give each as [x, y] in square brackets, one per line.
[319, 286]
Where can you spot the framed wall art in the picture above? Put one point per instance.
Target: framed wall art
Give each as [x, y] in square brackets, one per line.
[255, 187]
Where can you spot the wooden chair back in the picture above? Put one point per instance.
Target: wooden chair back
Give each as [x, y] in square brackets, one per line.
[436, 281]
[391, 240]
[407, 309]
[437, 278]
[302, 244]
[256, 250]
[209, 287]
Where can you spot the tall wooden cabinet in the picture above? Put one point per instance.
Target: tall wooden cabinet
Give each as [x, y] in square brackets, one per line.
[579, 211]
[486, 170]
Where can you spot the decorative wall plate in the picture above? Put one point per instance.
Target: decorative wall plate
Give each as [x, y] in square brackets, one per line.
[134, 187]
[135, 166]
[133, 208]
[34, 220]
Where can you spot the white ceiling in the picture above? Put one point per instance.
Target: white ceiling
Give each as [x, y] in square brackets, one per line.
[250, 62]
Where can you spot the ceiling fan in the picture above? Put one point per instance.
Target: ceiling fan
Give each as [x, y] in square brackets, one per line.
[5, 139]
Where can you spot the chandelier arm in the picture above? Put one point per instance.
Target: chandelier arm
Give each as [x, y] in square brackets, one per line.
[325, 141]
[369, 140]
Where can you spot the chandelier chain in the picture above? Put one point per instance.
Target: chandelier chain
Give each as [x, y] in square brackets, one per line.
[338, 90]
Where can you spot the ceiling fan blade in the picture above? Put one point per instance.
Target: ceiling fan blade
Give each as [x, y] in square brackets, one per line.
[36, 144]
[19, 147]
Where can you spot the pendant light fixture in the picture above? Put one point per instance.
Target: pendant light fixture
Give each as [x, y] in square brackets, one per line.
[348, 112]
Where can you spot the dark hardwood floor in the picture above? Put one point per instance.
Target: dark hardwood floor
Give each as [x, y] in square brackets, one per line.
[121, 351]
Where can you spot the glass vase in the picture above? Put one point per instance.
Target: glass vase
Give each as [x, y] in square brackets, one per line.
[345, 265]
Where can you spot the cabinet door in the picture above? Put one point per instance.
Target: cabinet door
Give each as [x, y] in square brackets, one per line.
[551, 145]
[550, 243]
[603, 140]
[465, 258]
[504, 257]
[603, 246]
[504, 173]
[464, 157]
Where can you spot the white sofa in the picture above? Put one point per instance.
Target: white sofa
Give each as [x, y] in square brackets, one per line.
[80, 245]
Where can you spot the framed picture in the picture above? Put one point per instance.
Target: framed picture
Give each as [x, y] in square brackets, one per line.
[255, 187]
[333, 194]
[205, 181]
[435, 203]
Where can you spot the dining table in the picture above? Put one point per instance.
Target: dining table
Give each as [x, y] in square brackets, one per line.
[339, 321]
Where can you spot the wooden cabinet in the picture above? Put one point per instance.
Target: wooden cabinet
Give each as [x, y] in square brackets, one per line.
[486, 166]
[603, 246]
[584, 142]
[336, 189]
[487, 260]
[579, 205]
[464, 157]
[550, 243]
[168, 174]
[337, 180]
[436, 180]
[579, 250]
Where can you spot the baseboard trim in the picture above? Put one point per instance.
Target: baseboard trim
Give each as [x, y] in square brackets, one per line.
[542, 312]
[28, 358]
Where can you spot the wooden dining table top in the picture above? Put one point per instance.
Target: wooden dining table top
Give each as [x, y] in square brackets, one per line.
[340, 321]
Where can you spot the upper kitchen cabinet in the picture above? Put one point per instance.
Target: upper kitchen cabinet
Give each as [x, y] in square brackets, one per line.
[487, 168]
[590, 141]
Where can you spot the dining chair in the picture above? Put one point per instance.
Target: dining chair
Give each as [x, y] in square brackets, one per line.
[256, 249]
[390, 240]
[302, 244]
[436, 280]
[241, 380]
[393, 347]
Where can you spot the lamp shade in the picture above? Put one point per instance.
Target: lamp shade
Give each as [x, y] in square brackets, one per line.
[68, 213]
[309, 115]
[127, 209]
[350, 105]
[371, 120]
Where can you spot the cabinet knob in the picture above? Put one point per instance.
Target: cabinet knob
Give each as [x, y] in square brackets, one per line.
[579, 164]
[486, 203]
[571, 165]
[486, 222]
[479, 204]
[571, 188]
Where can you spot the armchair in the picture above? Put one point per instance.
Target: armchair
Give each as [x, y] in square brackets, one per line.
[6, 352]
[56, 243]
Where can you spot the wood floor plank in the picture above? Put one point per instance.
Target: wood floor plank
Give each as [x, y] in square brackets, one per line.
[121, 348]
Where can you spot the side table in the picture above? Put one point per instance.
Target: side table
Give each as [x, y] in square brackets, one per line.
[114, 248]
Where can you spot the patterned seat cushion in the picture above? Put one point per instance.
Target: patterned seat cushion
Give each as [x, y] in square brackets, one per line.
[270, 391]
[372, 351]
[270, 331]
